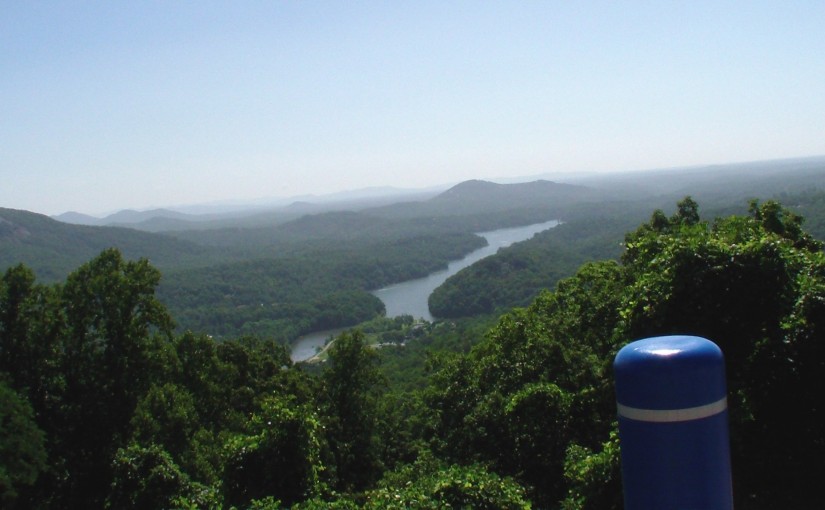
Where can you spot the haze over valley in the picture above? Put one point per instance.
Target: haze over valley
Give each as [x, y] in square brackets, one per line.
[218, 303]
[358, 256]
[299, 267]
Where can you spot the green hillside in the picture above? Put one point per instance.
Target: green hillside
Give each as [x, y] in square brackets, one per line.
[595, 230]
[517, 274]
[53, 249]
[315, 271]
[103, 405]
[282, 280]
[322, 285]
[536, 200]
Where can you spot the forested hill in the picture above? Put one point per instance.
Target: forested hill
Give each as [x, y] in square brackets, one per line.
[330, 227]
[476, 194]
[103, 405]
[283, 280]
[53, 249]
[467, 198]
[320, 285]
[471, 206]
[247, 215]
[310, 274]
[811, 206]
[288, 278]
[515, 275]
[545, 199]
[715, 183]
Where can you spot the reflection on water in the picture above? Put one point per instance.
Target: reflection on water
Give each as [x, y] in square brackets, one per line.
[410, 297]
[306, 346]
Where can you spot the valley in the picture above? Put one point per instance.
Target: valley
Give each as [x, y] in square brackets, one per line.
[287, 271]
[169, 354]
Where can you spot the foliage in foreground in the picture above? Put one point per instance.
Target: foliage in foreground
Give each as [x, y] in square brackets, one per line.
[534, 398]
[103, 406]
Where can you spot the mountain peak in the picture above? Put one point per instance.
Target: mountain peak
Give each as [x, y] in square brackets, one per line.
[480, 189]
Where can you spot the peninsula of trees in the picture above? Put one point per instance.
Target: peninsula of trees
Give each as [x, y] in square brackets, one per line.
[107, 401]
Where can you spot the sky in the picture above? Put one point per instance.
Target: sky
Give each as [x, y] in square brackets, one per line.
[119, 104]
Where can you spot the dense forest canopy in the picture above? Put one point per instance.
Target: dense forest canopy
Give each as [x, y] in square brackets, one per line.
[318, 289]
[104, 404]
[285, 278]
[225, 275]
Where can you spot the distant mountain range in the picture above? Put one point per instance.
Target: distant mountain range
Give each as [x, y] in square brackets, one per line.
[126, 217]
[715, 181]
[255, 213]
[174, 239]
[53, 248]
[475, 193]
[788, 175]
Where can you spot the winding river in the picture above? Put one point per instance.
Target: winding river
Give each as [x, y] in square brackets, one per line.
[410, 297]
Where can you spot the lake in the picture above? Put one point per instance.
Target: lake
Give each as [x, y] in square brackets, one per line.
[410, 297]
[306, 346]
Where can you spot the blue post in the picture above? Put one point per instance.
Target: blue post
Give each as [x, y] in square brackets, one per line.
[673, 424]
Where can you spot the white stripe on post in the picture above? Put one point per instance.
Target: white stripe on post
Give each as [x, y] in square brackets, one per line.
[673, 415]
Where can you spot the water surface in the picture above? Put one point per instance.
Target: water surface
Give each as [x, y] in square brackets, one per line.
[410, 297]
[308, 345]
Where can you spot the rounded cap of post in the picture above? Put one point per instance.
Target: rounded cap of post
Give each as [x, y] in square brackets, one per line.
[669, 372]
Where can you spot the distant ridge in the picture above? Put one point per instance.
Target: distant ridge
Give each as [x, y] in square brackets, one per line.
[713, 181]
[539, 200]
[128, 216]
[478, 190]
[477, 196]
[53, 249]
[76, 218]
[250, 215]
[124, 217]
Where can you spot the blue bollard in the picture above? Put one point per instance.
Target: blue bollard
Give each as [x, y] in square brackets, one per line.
[673, 424]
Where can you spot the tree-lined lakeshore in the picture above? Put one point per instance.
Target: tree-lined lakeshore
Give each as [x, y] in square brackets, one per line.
[112, 397]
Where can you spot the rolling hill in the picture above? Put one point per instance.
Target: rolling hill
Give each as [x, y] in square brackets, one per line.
[53, 249]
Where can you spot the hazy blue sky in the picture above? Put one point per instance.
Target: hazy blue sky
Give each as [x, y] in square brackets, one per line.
[108, 105]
